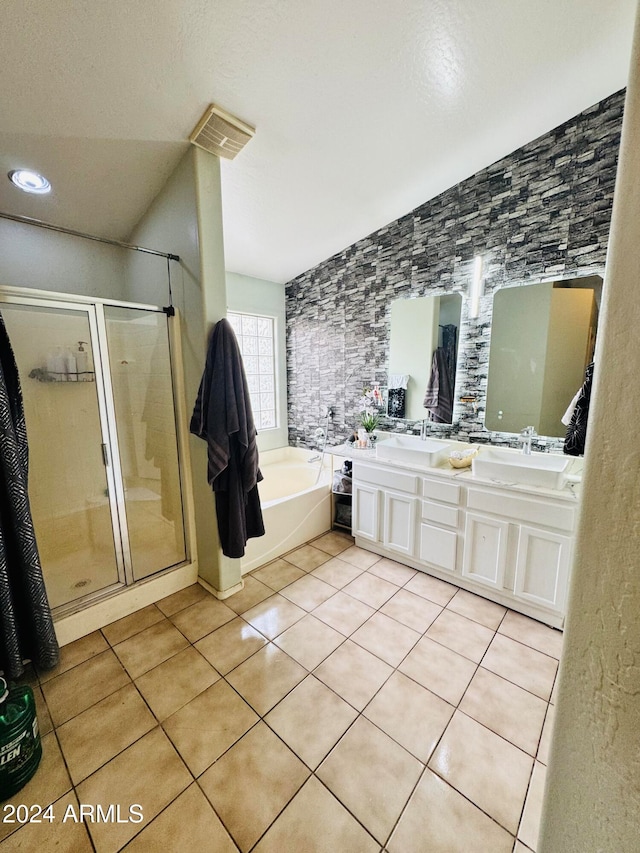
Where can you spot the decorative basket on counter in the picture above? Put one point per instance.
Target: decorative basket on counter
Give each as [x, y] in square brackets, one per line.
[464, 461]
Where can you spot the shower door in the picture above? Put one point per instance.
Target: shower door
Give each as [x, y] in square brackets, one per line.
[140, 370]
[104, 477]
[71, 488]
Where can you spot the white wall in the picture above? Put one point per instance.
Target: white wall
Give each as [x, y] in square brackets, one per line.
[257, 296]
[47, 260]
[592, 800]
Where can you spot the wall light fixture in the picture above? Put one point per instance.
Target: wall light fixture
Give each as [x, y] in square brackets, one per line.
[476, 288]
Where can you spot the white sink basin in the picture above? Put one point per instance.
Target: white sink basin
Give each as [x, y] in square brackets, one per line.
[412, 450]
[509, 466]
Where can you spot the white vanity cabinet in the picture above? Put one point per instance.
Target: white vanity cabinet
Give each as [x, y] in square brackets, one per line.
[510, 545]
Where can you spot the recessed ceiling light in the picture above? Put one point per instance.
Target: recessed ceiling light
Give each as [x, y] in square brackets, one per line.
[29, 182]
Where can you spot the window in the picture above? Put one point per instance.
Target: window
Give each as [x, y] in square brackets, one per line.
[256, 336]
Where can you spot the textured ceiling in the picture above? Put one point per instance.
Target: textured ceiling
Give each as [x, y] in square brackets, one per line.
[363, 110]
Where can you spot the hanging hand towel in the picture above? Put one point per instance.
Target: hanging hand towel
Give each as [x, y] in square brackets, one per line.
[438, 397]
[222, 416]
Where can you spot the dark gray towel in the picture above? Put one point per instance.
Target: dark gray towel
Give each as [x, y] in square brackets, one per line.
[439, 397]
[222, 416]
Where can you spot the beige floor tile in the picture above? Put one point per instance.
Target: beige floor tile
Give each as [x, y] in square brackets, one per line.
[354, 674]
[359, 557]
[308, 592]
[412, 610]
[49, 783]
[440, 820]
[547, 731]
[230, 645]
[333, 543]
[76, 653]
[441, 670]
[59, 835]
[124, 628]
[485, 768]
[311, 720]
[203, 617]
[168, 687]
[532, 633]
[45, 724]
[253, 593]
[209, 725]
[390, 570]
[520, 848]
[266, 678]
[315, 822]
[309, 641]
[278, 574]
[487, 613]
[181, 599]
[343, 613]
[530, 823]
[102, 731]
[524, 666]
[410, 714]
[372, 776]
[435, 590]
[132, 777]
[371, 590]
[554, 692]
[262, 765]
[506, 709]
[386, 638]
[337, 572]
[189, 823]
[150, 647]
[307, 558]
[273, 616]
[460, 634]
[78, 689]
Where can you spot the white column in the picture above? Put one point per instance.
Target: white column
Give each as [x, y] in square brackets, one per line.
[592, 800]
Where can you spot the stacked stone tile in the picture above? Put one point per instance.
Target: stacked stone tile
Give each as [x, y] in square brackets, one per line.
[542, 212]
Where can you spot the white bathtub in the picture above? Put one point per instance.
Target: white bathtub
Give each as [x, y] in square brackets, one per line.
[294, 508]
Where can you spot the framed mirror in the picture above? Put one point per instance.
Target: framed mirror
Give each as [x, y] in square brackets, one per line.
[423, 351]
[542, 339]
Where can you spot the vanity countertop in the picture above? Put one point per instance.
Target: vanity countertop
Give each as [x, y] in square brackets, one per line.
[569, 492]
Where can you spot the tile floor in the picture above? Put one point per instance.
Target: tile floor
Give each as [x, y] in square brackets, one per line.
[341, 702]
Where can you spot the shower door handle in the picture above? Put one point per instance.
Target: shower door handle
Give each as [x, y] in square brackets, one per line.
[105, 455]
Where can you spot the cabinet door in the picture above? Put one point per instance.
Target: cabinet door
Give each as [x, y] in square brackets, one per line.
[485, 549]
[438, 547]
[365, 515]
[542, 567]
[399, 523]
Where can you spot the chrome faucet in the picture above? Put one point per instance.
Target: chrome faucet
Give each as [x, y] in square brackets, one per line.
[423, 430]
[526, 435]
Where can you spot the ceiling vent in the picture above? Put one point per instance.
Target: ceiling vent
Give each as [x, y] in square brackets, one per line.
[221, 133]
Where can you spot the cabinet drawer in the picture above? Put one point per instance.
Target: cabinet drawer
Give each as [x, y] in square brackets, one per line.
[379, 476]
[438, 547]
[440, 514]
[440, 491]
[546, 512]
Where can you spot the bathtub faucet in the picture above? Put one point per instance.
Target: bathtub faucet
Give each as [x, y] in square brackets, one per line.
[314, 458]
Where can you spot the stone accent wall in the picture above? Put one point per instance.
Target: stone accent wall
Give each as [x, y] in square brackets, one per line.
[541, 213]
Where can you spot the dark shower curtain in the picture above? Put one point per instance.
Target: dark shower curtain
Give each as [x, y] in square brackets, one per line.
[26, 626]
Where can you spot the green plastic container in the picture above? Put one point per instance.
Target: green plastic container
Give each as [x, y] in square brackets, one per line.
[20, 747]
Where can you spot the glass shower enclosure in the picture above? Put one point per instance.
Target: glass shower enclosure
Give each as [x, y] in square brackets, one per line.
[104, 467]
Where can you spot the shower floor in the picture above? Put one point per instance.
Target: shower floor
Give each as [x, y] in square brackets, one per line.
[78, 552]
